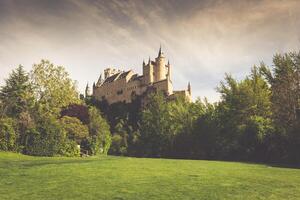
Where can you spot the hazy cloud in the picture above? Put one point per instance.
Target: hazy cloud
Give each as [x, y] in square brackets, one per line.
[202, 39]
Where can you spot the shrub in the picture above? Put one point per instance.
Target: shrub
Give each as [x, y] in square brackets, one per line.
[8, 136]
[100, 137]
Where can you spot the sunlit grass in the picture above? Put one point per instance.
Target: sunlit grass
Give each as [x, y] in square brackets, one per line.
[25, 177]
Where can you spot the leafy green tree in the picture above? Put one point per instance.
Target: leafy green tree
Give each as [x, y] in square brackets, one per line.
[53, 87]
[241, 102]
[74, 128]
[284, 79]
[156, 134]
[47, 138]
[182, 116]
[203, 141]
[285, 85]
[99, 130]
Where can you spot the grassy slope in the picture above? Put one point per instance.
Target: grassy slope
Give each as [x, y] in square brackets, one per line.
[25, 177]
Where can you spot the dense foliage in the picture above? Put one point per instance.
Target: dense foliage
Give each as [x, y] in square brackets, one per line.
[256, 119]
[41, 114]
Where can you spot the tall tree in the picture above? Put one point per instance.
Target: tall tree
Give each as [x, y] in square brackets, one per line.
[241, 103]
[53, 87]
[284, 79]
[17, 94]
[156, 132]
[17, 100]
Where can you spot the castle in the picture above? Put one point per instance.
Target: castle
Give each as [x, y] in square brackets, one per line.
[124, 86]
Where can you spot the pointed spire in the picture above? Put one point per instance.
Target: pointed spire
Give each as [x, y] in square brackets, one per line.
[189, 88]
[99, 82]
[149, 60]
[143, 62]
[169, 70]
[159, 52]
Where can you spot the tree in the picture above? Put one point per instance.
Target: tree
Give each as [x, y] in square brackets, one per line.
[75, 130]
[240, 103]
[99, 131]
[182, 117]
[47, 138]
[120, 138]
[284, 79]
[285, 85]
[79, 111]
[117, 145]
[18, 101]
[17, 94]
[206, 129]
[53, 87]
[156, 132]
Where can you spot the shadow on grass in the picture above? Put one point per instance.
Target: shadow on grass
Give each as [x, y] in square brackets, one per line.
[39, 163]
[289, 166]
[65, 161]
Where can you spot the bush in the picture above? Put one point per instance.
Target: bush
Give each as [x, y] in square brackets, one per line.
[75, 130]
[49, 139]
[100, 137]
[117, 146]
[70, 149]
[8, 136]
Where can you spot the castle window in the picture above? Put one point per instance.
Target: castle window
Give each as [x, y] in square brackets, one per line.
[119, 92]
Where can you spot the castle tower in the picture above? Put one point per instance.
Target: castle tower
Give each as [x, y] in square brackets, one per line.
[169, 71]
[148, 72]
[100, 81]
[160, 68]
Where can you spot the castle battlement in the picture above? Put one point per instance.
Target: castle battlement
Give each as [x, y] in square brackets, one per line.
[122, 86]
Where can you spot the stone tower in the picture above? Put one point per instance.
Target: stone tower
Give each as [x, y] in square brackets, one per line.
[148, 72]
[169, 71]
[160, 68]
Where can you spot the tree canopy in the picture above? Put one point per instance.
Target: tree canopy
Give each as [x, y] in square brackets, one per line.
[256, 119]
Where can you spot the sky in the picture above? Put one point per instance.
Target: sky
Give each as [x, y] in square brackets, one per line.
[203, 39]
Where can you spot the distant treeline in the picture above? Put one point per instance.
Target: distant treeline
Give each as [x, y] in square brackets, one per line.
[257, 118]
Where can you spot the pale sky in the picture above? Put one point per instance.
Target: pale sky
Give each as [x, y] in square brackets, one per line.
[202, 39]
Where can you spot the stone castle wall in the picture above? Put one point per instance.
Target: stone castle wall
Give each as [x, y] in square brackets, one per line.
[119, 86]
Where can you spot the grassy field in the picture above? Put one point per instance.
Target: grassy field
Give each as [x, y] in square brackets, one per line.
[25, 177]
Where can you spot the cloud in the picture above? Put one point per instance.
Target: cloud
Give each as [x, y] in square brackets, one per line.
[203, 39]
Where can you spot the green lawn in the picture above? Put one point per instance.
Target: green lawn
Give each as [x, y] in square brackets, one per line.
[25, 177]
